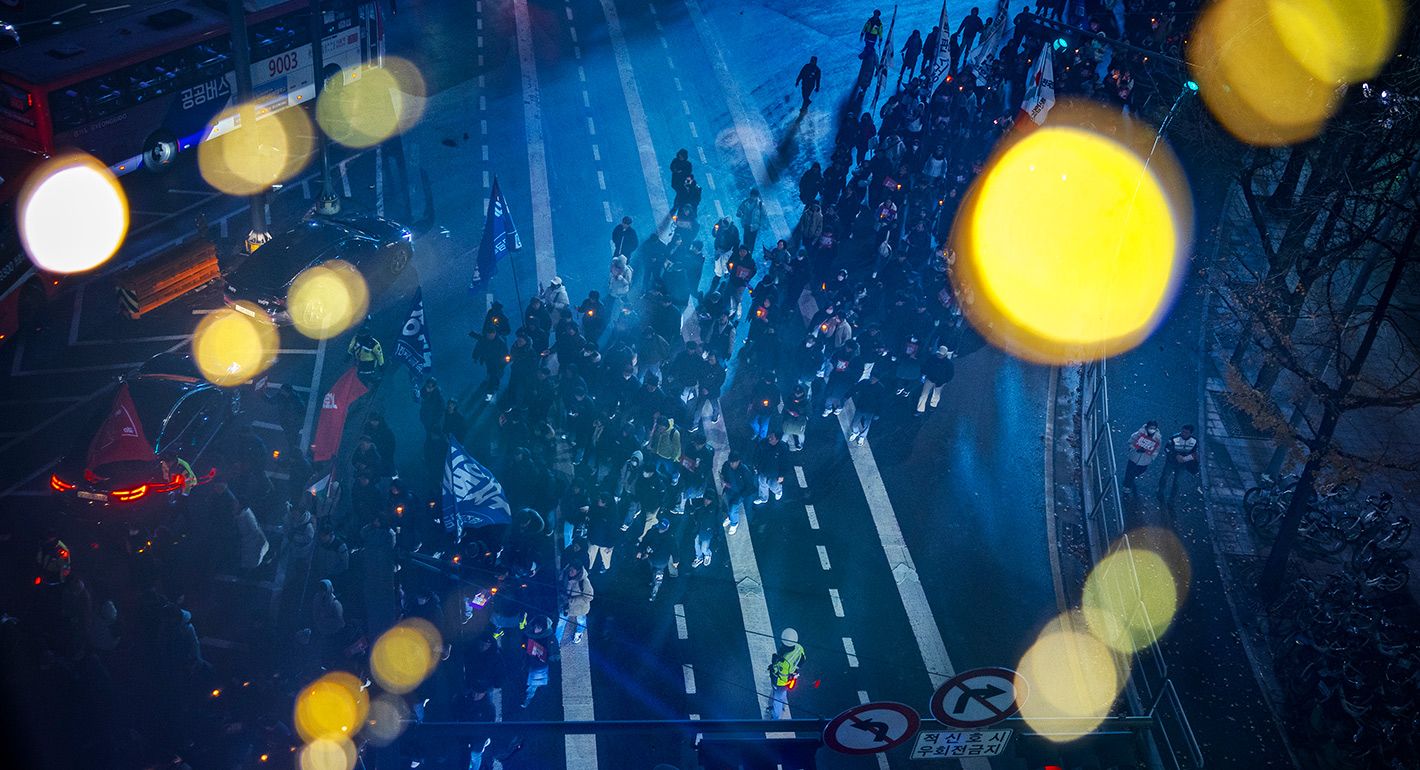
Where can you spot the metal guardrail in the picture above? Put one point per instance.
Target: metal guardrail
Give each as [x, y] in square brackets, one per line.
[1106, 533]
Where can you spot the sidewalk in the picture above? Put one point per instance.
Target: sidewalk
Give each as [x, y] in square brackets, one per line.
[1225, 691]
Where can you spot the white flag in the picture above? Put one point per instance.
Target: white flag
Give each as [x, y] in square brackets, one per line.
[1040, 88]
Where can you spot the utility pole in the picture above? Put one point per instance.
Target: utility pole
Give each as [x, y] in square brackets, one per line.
[246, 111]
[327, 204]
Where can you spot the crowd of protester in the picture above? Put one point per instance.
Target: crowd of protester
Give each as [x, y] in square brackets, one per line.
[635, 426]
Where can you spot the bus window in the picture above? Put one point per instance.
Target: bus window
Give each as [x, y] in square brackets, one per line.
[66, 109]
[102, 97]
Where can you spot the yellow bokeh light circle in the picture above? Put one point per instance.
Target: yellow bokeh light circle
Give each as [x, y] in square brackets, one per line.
[56, 191]
[1337, 41]
[328, 754]
[384, 101]
[1074, 679]
[332, 708]
[247, 161]
[389, 715]
[1068, 246]
[327, 299]
[1249, 79]
[231, 346]
[1133, 594]
[405, 655]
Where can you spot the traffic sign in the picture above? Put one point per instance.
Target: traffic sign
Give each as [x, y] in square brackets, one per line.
[871, 728]
[979, 697]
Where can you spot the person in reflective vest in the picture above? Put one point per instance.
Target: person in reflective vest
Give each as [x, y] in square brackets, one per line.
[369, 356]
[783, 672]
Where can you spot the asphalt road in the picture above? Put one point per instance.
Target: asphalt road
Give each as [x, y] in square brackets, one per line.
[899, 563]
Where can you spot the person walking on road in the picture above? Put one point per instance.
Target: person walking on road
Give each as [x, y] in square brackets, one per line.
[783, 672]
[971, 26]
[737, 486]
[910, 51]
[808, 81]
[752, 216]
[929, 51]
[869, 397]
[937, 371]
[705, 512]
[619, 282]
[872, 30]
[624, 239]
[492, 352]
[577, 595]
[771, 462]
[1180, 454]
[1144, 446]
[810, 183]
[536, 639]
[680, 169]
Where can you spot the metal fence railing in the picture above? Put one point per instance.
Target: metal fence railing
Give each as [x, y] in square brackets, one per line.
[1150, 692]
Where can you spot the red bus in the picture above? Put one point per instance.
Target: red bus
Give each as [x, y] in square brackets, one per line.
[139, 89]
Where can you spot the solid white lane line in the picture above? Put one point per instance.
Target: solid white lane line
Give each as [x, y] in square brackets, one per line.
[744, 568]
[680, 630]
[576, 673]
[308, 425]
[749, 124]
[813, 517]
[852, 653]
[823, 558]
[537, 152]
[640, 127]
[925, 629]
[799, 474]
[837, 602]
[689, 672]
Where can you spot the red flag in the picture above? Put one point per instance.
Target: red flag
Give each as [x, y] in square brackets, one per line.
[121, 436]
[333, 410]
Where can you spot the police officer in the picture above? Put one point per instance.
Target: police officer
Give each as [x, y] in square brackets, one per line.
[369, 356]
[783, 671]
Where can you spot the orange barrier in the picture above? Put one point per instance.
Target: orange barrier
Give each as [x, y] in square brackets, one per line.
[147, 287]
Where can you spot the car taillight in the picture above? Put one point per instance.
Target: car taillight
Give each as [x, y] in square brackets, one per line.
[129, 495]
[58, 484]
[165, 486]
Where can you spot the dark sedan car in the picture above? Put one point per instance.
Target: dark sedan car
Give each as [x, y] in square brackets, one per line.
[378, 248]
[158, 425]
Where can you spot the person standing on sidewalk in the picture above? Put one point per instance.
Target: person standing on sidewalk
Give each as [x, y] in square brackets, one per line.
[1144, 446]
[808, 81]
[1180, 454]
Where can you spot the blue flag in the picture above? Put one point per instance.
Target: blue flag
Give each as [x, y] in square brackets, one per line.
[500, 236]
[412, 347]
[472, 497]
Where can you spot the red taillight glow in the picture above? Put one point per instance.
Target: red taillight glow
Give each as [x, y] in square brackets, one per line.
[164, 486]
[58, 484]
[129, 495]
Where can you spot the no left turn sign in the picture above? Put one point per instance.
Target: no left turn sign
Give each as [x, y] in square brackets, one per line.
[980, 697]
